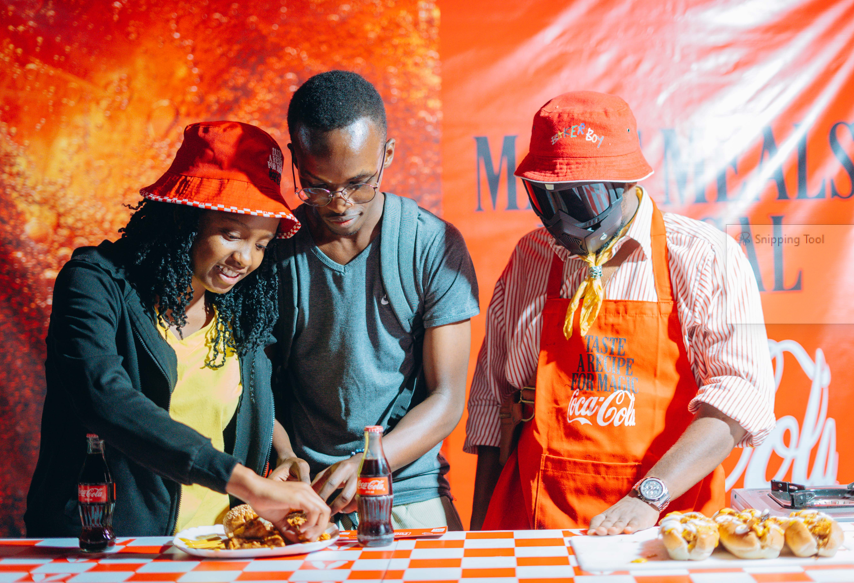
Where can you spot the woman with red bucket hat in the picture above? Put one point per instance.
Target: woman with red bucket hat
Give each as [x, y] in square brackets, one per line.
[156, 344]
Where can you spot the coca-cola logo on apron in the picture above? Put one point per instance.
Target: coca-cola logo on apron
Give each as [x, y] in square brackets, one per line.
[606, 369]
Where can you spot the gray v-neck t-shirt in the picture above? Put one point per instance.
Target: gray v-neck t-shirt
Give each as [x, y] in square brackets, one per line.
[350, 356]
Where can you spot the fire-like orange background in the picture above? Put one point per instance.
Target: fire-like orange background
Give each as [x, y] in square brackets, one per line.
[94, 96]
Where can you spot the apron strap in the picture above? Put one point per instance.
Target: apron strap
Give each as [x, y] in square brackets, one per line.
[658, 244]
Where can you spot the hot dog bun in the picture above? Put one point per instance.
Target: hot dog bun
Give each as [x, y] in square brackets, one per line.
[811, 532]
[747, 536]
[691, 536]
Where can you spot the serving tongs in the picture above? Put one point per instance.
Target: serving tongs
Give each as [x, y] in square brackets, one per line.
[789, 495]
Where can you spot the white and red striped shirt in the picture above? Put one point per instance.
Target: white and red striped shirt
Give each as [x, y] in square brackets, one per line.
[717, 300]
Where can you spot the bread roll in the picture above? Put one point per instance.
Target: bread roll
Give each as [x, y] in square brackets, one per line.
[811, 532]
[243, 522]
[689, 537]
[747, 535]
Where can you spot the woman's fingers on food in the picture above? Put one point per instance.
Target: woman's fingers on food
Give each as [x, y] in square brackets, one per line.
[313, 506]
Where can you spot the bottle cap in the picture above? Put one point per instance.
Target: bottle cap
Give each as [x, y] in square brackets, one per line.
[374, 429]
[92, 436]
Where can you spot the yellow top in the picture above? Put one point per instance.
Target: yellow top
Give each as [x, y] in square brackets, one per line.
[204, 399]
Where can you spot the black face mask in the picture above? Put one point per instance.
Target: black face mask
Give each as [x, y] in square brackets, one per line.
[581, 216]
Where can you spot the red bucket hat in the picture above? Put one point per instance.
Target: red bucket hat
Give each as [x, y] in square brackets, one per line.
[227, 166]
[584, 137]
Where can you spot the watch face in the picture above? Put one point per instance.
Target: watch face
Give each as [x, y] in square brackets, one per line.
[651, 489]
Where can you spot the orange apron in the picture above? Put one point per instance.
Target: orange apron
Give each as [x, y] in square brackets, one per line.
[608, 406]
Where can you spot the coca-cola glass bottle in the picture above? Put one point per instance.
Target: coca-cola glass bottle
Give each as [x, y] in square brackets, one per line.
[96, 498]
[374, 494]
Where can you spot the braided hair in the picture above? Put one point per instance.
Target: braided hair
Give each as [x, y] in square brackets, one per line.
[158, 239]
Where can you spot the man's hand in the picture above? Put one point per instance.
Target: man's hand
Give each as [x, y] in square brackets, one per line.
[629, 515]
[288, 466]
[344, 476]
[274, 500]
[706, 442]
[486, 477]
[291, 469]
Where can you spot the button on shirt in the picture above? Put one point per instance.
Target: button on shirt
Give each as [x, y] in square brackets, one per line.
[717, 300]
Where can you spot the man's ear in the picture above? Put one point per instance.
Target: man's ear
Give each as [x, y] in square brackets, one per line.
[389, 152]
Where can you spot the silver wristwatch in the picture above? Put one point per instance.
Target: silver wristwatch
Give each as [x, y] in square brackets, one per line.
[654, 492]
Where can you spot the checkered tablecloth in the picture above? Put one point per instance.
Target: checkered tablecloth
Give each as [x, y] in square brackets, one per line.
[493, 557]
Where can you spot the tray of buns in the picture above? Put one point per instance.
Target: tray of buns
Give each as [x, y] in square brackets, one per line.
[730, 539]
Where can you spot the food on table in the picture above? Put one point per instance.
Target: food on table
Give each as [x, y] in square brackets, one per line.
[246, 530]
[691, 536]
[295, 520]
[810, 532]
[213, 542]
[749, 534]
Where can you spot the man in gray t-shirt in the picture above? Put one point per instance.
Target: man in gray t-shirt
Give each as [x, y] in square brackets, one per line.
[353, 350]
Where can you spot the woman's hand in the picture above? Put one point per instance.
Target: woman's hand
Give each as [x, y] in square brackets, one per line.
[275, 499]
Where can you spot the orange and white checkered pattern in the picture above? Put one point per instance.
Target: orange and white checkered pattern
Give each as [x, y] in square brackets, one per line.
[485, 557]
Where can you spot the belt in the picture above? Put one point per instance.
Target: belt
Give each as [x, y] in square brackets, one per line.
[512, 413]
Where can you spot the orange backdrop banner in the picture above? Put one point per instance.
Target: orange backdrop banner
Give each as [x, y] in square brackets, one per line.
[743, 111]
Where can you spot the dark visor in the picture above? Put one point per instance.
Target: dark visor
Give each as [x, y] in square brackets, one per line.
[583, 201]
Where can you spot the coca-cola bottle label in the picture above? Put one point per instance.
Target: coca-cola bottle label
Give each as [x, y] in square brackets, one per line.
[92, 494]
[378, 486]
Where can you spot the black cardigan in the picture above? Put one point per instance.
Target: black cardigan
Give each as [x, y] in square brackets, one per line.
[110, 372]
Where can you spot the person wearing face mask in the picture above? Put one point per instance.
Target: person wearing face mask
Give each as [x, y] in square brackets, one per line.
[624, 355]
[156, 344]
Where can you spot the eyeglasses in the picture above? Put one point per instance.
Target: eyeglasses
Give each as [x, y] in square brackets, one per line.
[351, 194]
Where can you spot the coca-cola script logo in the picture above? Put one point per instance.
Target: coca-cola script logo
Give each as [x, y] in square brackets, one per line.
[818, 430]
[373, 486]
[616, 409]
[92, 494]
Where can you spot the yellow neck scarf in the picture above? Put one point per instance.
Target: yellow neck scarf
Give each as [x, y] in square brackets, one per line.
[591, 289]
